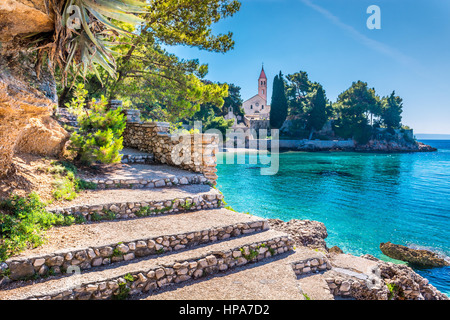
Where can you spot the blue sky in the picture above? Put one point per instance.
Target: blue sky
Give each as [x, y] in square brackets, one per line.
[330, 40]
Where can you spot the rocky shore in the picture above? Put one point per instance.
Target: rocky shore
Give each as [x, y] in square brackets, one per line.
[393, 147]
[374, 279]
[417, 257]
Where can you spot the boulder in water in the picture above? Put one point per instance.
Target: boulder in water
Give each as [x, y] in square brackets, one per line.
[421, 258]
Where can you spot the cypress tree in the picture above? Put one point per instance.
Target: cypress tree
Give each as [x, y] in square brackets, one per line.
[279, 105]
[318, 112]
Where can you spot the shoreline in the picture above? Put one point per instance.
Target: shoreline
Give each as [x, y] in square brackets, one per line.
[420, 148]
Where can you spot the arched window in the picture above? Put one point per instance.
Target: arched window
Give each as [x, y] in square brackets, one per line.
[263, 91]
[251, 106]
[262, 107]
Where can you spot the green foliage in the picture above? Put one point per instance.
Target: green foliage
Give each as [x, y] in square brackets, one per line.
[187, 205]
[79, 49]
[233, 100]
[218, 123]
[67, 185]
[96, 217]
[100, 136]
[306, 296]
[122, 293]
[279, 104]
[253, 254]
[79, 219]
[117, 253]
[64, 188]
[358, 103]
[392, 108]
[394, 291]
[354, 108]
[163, 86]
[317, 110]
[297, 88]
[129, 277]
[211, 114]
[23, 221]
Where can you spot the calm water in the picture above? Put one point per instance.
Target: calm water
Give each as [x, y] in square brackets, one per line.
[363, 199]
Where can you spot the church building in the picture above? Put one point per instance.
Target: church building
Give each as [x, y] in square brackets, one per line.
[256, 107]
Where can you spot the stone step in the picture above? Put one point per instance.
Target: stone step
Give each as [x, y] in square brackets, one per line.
[152, 273]
[131, 156]
[98, 205]
[276, 280]
[139, 176]
[315, 287]
[91, 245]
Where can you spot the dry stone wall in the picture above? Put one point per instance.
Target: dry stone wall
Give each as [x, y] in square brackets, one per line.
[161, 276]
[145, 183]
[311, 265]
[131, 210]
[124, 251]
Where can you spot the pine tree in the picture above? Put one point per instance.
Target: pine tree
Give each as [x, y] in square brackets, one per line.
[392, 110]
[279, 105]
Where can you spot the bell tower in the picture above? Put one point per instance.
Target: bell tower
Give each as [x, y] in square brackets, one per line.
[262, 85]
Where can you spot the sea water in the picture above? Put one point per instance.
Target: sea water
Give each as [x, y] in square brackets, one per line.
[362, 198]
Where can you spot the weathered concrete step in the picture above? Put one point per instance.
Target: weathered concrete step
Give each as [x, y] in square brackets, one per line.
[122, 204]
[315, 287]
[92, 245]
[153, 273]
[276, 280]
[138, 176]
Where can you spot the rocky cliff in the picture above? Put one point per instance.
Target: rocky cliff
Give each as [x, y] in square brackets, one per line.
[25, 94]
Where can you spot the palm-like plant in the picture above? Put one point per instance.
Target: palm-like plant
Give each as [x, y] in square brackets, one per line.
[84, 34]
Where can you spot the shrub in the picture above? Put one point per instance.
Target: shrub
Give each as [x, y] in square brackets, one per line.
[22, 223]
[67, 185]
[362, 133]
[99, 138]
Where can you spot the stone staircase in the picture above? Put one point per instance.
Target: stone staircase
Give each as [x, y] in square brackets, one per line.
[139, 239]
[159, 232]
[64, 117]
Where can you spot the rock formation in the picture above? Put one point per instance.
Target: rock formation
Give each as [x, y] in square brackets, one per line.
[422, 258]
[21, 17]
[25, 94]
[306, 233]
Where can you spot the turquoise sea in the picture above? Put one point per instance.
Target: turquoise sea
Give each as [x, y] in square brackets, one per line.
[362, 198]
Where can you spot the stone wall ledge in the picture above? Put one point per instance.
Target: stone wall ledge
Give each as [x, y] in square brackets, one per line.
[159, 277]
[311, 265]
[138, 209]
[144, 183]
[194, 151]
[58, 262]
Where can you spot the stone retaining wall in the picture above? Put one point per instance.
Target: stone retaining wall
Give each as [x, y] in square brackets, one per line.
[143, 183]
[194, 152]
[357, 288]
[311, 265]
[124, 251]
[137, 209]
[162, 276]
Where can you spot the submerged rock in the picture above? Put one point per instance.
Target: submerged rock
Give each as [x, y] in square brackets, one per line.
[422, 258]
[335, 249]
